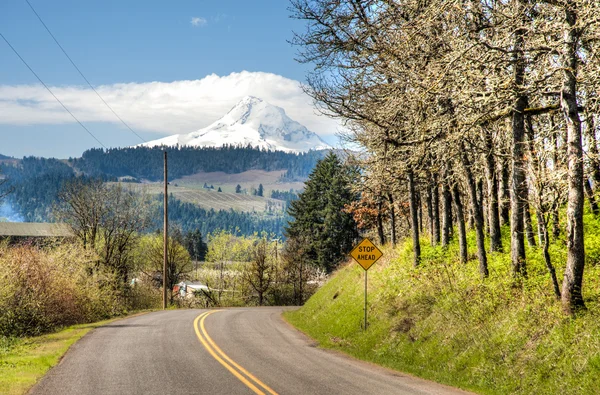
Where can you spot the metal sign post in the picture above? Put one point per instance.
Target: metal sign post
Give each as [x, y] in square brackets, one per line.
[366, 254]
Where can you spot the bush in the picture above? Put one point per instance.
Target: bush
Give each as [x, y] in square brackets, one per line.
[42, 289]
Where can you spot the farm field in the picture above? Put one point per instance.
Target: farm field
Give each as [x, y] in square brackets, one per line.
[247, 180]
[211, 199]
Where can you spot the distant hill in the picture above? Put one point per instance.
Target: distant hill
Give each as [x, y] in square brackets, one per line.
[36, 182]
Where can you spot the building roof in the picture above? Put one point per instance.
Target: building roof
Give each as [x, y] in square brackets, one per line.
[35, 229]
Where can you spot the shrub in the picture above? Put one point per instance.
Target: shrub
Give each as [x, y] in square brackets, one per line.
[42, 289]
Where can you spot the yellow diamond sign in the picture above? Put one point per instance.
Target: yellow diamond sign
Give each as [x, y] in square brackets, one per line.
[366, 254]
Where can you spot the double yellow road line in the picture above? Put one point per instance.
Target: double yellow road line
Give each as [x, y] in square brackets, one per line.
[242, 374]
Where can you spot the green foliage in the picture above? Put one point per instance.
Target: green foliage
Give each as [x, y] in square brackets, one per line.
[442, 322]
[151, 259]
[193, 243]
[318, 213]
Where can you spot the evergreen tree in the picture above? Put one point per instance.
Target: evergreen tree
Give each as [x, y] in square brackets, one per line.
[260, 190]
[193, 243]
[219, 190]
[319, 219]
[238, 188]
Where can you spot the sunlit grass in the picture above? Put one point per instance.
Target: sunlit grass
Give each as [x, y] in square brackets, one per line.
[443, 322]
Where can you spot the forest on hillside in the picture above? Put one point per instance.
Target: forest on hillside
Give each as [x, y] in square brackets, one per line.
[470, 114]
[147, 163]
[34, 184]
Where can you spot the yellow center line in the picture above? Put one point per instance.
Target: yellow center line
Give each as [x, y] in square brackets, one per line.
[223, 359]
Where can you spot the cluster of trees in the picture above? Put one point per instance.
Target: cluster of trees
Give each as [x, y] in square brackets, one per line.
[243, 270]
[147, 163]
[112, 222]
[321, 232]
[287, 196]
[467, 102]
[34, 184]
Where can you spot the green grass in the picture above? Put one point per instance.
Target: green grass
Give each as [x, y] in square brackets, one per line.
[442, 322]
[23, 361]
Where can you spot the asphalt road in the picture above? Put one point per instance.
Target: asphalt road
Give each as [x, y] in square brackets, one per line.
[232, 351]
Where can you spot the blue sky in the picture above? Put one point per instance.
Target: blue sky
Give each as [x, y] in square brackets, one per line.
[165, 66]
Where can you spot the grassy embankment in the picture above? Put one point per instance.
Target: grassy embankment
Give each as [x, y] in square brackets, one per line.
[23, 361]
[442, 322]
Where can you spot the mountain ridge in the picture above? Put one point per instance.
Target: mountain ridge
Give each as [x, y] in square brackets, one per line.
[252, 121]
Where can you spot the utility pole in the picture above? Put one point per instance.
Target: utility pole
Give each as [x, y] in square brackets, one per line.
[166, 236]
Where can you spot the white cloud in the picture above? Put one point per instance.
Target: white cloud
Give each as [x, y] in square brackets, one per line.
[198, 21]
[162, 107]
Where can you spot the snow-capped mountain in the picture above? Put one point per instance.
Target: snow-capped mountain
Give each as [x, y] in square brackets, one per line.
[252, 121]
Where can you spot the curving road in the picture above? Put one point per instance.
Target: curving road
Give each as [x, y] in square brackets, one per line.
[232, 351]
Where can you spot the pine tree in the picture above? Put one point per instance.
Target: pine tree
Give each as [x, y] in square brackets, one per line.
[319, 217]
[194, 244]
[238, 188]
[260, 190]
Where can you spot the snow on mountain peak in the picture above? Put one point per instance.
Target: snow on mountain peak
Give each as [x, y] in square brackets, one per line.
[252, 121]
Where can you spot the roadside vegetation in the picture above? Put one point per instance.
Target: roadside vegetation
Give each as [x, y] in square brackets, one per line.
[442, 322]
[23, 361]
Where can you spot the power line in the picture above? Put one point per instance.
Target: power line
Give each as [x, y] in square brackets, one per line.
[81, 74]
[52, 93]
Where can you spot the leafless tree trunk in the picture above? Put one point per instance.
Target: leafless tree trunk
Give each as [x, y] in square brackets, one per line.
[380, 232]
[492, 181]
[392, 219]
[518, 197]
[505, 194]
[476, 210]
[414, 218]
[572, 297]
[590, 195]
[447, 217]
[460, 219]
[430, 222]
[436, 210]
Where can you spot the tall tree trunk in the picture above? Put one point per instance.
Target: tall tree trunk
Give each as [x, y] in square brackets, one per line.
[492, 181]
[590, 194]
[392, 219]
[517, 196]
[476, 209]
[594, 157]
[447, 217]
[436, 210]
[539, 227]
[572, 297]
[471, 218]
[528, 225]
[380, 232]
[555, 165]
[460, 219]
[481, 203]
[429, 203]
[414, 218]
[420, 204]
[505, 194]
[545, 243]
